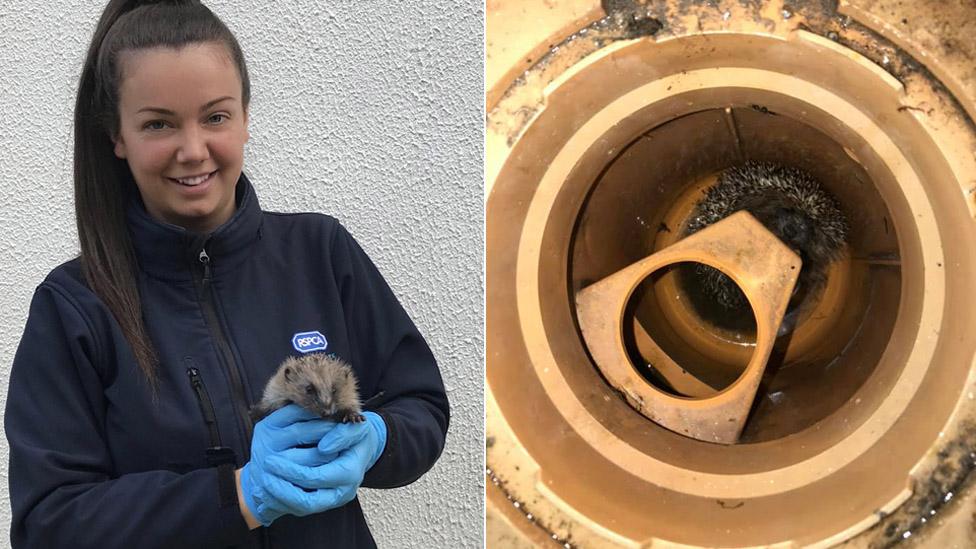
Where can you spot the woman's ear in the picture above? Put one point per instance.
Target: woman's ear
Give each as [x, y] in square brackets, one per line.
[119, 146]
[247, 131]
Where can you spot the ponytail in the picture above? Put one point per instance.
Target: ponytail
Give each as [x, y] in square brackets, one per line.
[103, 182]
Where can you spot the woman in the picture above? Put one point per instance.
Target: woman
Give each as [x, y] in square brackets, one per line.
[127, 409]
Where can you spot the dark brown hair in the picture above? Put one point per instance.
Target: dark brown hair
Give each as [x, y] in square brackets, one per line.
[103, 182]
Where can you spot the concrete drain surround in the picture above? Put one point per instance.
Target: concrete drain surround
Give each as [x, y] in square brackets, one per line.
[567, 445]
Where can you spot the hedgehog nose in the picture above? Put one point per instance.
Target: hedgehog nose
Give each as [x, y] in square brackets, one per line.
[795, 229]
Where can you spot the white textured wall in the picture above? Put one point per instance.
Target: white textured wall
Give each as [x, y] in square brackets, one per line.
[369, 111]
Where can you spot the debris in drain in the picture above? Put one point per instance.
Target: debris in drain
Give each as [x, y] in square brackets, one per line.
[663, 228]
[566, 542]
[952, 475]
[634, 16]
[762, 109]
[727, 505]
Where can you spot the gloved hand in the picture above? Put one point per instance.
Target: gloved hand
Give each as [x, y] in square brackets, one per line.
[282, 430]
[359, 445]
[369, 435]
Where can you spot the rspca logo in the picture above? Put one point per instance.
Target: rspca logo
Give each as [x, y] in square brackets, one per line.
[306, 342]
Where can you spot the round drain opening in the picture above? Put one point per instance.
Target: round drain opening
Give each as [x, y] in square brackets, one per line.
[679, 368]
[643, 201]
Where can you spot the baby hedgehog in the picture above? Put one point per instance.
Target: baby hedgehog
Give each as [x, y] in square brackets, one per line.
[320, 383]
[791, 204]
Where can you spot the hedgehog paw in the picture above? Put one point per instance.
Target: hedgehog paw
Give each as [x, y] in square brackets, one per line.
[352, 417]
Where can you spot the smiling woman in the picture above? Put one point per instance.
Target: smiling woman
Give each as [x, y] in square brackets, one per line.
[185, 149]
[127, 412]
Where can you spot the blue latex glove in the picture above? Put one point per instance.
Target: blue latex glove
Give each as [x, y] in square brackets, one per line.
[369, 436]
[359, 445]
[282, 430]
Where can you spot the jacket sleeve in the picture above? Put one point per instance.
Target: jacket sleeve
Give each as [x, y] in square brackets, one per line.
[63, 489]
[414, 404]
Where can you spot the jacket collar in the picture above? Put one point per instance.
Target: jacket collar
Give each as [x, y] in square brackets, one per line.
[171, 252]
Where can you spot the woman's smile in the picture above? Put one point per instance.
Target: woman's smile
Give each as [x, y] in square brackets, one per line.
[194, 180]
[194, 186]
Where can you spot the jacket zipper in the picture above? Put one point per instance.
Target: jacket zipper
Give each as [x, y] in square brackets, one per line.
[224, 353]
[226, 357]
[206, 406]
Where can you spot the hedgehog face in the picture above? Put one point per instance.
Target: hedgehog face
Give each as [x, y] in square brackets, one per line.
[790, 225]
[309, 395]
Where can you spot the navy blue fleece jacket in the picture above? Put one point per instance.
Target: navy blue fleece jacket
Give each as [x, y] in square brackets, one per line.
[97, 461]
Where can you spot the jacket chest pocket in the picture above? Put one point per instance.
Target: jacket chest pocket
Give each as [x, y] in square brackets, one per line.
[216, 452]
[184, 428]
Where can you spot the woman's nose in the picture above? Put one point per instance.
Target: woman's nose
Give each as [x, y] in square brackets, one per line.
[193, 146]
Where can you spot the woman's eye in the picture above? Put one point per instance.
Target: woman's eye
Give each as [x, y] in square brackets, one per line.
[217, 118]
[155, 125]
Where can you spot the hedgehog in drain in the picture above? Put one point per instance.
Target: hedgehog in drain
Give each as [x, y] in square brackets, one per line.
[794, 207]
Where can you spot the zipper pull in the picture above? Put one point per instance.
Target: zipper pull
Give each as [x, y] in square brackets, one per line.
[205, 259]
[205, 405]
[197, 384]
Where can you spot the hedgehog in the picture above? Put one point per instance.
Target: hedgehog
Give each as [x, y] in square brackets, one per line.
[792, 205]
[320, 383]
